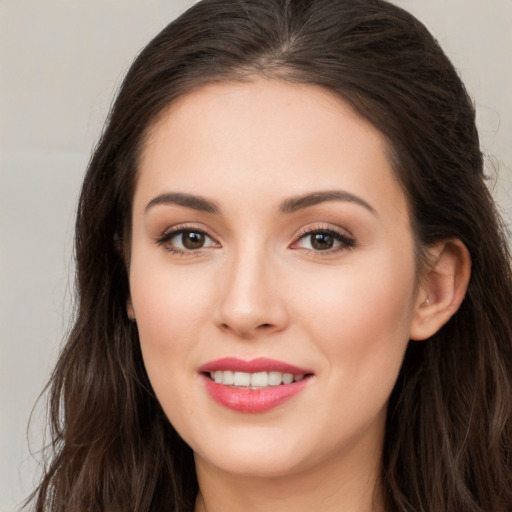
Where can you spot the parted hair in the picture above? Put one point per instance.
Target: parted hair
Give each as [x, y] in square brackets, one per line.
[448, 442]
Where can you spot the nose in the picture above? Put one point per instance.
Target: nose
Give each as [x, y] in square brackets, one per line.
[252, 300]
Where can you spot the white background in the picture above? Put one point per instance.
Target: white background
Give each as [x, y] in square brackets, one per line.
[60, 64]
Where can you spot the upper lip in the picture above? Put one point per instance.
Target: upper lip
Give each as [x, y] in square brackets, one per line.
[260, 364]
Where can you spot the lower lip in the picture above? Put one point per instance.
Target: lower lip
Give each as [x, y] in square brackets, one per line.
[253, 400]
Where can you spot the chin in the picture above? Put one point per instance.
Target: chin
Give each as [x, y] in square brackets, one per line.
[255, 466]
[264, 454]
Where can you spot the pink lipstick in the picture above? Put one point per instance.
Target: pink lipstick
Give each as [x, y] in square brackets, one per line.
[253, 386]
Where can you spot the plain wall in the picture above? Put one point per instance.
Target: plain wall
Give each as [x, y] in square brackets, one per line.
[60, 64]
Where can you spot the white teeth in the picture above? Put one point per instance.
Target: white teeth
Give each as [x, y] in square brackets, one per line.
[259, 379]
[242, 379]
[287, 378]
[227, 378]
[274, 378]
[253, 380]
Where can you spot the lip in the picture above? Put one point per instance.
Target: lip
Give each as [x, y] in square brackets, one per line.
[260, 364]
[253, 400]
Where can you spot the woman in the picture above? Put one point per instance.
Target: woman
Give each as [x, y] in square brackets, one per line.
[293, 284]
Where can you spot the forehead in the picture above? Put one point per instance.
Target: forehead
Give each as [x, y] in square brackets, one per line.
[266, 138]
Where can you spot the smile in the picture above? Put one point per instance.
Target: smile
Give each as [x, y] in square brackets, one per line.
[254, 386]
[256, 380]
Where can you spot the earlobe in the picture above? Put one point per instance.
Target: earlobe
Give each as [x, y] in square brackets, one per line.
[442, 289]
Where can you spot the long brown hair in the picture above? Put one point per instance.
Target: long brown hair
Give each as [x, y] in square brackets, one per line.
[448, 444]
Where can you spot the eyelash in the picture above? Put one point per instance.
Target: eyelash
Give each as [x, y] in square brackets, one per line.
[345, 243]
[167, 236]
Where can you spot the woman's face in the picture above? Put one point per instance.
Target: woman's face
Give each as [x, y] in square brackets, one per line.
[271, 243]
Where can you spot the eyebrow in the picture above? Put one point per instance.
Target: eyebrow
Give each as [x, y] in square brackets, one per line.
[304, 201]
[188, 200]
[289, 205]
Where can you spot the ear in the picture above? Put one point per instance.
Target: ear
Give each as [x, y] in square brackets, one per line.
[442, 288]
[129, 309]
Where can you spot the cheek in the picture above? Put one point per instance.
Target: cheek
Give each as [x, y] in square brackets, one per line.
[170, 307]
[167, 300]
[360, 325]
[361, 320]
[165, 326]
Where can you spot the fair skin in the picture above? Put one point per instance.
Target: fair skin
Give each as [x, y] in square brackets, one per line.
[237, 266]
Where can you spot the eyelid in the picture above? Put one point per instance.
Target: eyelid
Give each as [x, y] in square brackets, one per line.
[166, 235]
[346, 239]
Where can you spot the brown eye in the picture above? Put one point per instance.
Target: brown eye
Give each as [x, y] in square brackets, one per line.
[322, 241]
[186, 240]
[192, 239]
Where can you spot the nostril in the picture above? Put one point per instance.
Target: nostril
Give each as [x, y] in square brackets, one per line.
[246, 328]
